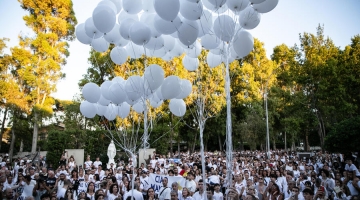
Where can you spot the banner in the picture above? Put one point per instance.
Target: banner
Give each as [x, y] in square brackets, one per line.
[155, 181]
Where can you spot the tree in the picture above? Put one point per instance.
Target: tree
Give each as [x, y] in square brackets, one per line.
[38, 59]
[344, 136]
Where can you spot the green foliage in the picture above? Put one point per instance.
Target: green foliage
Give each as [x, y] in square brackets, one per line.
[344, 137]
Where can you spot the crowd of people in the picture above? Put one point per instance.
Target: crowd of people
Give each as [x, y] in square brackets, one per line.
[254, 176]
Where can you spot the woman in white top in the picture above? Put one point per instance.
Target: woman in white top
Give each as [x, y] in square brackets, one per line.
[71, 163]
[186, 195]
[113, 192]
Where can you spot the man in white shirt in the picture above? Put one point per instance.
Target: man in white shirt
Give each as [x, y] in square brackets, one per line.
[97, 162]
[135, 193]
[199, 195]
[28, 187]
[144, 180]
[349, 166]
[164, 192]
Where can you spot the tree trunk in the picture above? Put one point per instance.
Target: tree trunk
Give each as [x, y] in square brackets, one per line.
[307, 145]
[274, 144]
[21, 146]
[11, 150]
[285, 142]
[178, 148]
[220, 143]
[3, 125]
[35, 134]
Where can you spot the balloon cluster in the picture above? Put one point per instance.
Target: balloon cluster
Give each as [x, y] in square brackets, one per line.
[114, 98]
[168, 28]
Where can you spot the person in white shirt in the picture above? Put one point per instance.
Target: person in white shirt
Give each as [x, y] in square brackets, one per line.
[199, 195]
[217, 194]
[144, 180]
[190, 183]
[164, 192]
[349, 166]
[62, 190]
[88, 163]
[100, 172]
[97, 162]
[175, 187]
[28, 187]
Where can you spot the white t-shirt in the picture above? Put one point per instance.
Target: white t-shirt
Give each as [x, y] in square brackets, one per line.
[218, 196]
[88, 164]
[164, 193]
[135, 193]
[352, 167]
[28, 189]
[97, 163]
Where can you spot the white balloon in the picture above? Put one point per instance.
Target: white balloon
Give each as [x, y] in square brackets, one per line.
[91, 92]
[169, 43]
[186, 88]
[213, 60]
[157, 53]
[81, 34]
[104, 18]
[233, 53]
[103, 101]
[190, 10]
[154, 76]
[139, 107]
[218, 51]
[88, 109]
[210, 41]
[111, 112]
[256, 1]
[243, 43]
[148, 6]
[134, 51]
[171, 87]
[177, 50]
[101, 109]
[100, 45]
[166, 27]
[188, 32]
[132, 6]
[191, 64]
[174, 35]
[155, 104]
[167, 9]
[134, 87]
[149, 20]
[217, 3]
[110, 4]
[118, 79]
[159, 94]
[123, 110]
[90, 29]
[117, 93]
[118, 5]
[237, 5]
[266, 6]
[114, 35]
[125, 26]
[155, 43]
[124, 15]
[194, 51]
[167, 57]
[177, 107]
[224, 27]
[105, 89]
[205, 23]
[140, 34]
[249, 18]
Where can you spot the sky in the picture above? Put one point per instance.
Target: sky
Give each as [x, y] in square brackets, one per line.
[341, 20]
